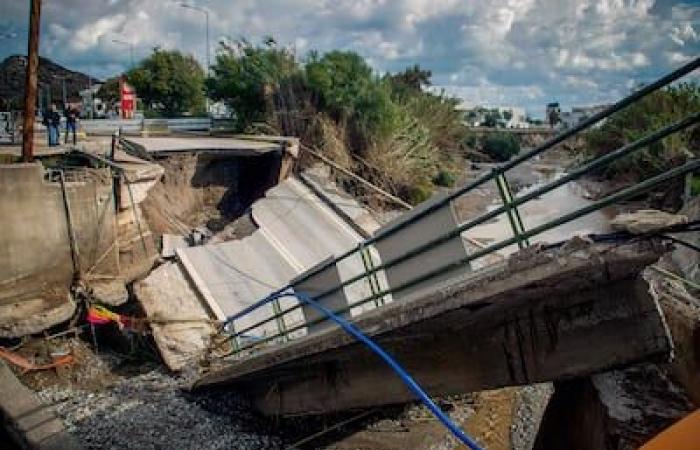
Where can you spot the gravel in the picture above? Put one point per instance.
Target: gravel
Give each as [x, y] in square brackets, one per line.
[151, 411]
[532, 401]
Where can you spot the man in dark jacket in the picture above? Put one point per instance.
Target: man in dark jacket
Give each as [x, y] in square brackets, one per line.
[52, 121]
[71, 113]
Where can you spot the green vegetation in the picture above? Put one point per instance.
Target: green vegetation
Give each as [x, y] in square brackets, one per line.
[655, 111]
[501, 145]
[109, 92]
[169, 84]
[388, 129]
[245, 77]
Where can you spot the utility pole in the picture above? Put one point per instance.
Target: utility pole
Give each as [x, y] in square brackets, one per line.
[206, 16]
[131, 50]
[31, 81]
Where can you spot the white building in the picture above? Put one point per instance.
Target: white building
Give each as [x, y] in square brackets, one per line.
[92, 106]
[498, 116]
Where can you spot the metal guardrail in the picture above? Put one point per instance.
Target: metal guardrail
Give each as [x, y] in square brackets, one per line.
[510, 204]
[107, 126]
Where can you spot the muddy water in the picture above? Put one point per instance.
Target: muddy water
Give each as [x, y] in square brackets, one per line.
[565, 199]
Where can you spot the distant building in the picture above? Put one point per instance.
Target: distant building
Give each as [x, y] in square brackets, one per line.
[553, 114]
[92, 106]
[578, 114]
[496, 116]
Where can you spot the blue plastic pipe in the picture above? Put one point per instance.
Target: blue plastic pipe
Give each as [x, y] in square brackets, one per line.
[395, 366]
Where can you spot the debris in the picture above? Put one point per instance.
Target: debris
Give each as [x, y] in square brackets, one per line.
[110, 291]
[26, 365]
[646, 221]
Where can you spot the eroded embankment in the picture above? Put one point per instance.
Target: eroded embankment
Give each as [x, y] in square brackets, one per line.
[205, 189]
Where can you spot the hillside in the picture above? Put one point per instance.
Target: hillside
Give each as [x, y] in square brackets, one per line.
[12, 73]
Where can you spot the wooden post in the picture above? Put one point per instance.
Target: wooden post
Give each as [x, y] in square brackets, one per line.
[31, 82]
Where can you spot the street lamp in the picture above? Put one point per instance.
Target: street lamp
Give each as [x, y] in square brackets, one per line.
[131, 49]
[206, 15]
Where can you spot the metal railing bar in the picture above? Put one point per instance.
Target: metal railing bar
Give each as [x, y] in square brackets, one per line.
[581, 170]
[644, 91]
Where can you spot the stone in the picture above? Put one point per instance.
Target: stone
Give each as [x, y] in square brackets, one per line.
[646, 221]
[111, 292]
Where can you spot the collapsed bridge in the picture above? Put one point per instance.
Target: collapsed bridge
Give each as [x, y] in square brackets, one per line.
[457, 323]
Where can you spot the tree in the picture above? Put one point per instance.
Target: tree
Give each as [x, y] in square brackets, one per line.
[169, 83]
[348, 89]
[245, 76]
[409, 81]
[109, 92]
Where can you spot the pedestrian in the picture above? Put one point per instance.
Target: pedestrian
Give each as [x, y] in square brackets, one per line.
[71, 113]
[52, 121]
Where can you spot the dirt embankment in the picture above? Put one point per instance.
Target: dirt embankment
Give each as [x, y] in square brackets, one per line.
[206, 190]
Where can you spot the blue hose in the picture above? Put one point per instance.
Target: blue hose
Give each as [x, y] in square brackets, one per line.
[396, 367]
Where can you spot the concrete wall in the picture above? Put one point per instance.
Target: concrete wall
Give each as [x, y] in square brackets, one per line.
[35, 251]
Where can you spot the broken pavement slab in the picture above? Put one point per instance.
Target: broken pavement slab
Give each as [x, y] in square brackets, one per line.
[30, 423]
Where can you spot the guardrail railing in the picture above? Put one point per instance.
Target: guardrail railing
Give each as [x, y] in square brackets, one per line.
[244, 338]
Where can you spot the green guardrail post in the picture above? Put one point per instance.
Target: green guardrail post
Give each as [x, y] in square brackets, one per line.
[281, 326]
[512, 212]
[234, 343]
[371, 275]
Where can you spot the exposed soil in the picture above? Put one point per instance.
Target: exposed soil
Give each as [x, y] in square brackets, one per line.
[206, 190]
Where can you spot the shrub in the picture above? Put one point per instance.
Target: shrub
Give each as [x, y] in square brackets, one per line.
[653, 112]
[501, 145]
[444, 179]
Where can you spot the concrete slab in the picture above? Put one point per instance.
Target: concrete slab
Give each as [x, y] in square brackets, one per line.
[233, 275]
[419, 233]
[232, 146]
[296, 231]
[306, 231]
[318, 179]
[35, 312]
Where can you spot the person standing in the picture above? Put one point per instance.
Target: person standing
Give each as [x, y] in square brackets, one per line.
[52, 121]
[71, 113]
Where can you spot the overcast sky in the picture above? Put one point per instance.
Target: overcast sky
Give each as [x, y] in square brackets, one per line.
[499, 52]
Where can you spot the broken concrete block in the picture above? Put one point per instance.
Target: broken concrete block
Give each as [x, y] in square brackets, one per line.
[34, 314]
[181, 325]
[171, 243]
[109, 291]
[646, 221]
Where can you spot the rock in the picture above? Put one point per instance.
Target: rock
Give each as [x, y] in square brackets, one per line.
[646, 221]
[109, 291]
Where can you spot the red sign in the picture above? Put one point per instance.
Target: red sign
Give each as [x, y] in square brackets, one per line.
[128, 99]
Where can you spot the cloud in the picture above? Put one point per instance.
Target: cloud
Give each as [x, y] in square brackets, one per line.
[524, 52]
